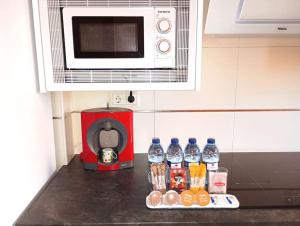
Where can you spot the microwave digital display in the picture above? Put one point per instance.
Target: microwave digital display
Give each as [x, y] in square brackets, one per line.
[108, 37]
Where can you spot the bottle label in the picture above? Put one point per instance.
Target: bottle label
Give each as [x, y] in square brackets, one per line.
[187, 164]
[174, 165]
[212, 166]
[157, 162]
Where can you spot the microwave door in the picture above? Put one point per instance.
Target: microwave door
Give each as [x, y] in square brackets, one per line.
[108, 37]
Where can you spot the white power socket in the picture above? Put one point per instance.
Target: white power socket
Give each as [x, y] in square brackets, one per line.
[121, 99]
[117, 99]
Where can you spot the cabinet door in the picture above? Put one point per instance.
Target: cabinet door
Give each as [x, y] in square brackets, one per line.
[55, 76]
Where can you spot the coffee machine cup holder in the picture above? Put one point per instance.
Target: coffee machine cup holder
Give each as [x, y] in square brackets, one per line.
[117, 146]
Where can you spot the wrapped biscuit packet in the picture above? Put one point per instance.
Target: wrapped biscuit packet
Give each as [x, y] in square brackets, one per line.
[193, 175]
[158, 177]
[202, 176]
[198, 175]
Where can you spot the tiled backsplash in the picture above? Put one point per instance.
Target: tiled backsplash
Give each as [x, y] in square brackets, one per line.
[238, 73]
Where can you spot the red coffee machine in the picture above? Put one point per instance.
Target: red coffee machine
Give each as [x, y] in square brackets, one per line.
[107, 138]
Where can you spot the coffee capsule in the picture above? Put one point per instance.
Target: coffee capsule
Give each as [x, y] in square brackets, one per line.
[171, 198]
[187, 198]
[155, 198]
[202, 198]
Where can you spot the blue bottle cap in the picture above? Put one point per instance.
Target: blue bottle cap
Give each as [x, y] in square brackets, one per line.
[192, 140]
[211, 141]
[174, 141]
[155, 141]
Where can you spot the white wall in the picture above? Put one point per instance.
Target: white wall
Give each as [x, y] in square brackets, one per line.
[62, 123]
[27, 148]
[238, 73]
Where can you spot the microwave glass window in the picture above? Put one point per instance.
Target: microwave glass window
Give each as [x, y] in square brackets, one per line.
[108, 37]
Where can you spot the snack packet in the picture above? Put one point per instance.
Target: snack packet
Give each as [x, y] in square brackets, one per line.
[178, 179]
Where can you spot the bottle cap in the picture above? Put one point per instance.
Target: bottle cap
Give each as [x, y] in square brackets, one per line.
[174, 141]
[192, 140]
[155, 141]
[211, 141]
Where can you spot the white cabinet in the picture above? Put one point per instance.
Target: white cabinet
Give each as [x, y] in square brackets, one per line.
[55, 76]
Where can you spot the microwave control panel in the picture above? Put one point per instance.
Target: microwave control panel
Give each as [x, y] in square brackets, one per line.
[165, 38]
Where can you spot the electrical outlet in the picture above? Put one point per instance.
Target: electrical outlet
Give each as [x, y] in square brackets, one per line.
[121, 99]
[117, 99]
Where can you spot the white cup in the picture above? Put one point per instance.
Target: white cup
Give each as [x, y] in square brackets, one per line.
[108, 155]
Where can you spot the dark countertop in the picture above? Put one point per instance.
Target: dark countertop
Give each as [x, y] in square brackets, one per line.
[267, 185]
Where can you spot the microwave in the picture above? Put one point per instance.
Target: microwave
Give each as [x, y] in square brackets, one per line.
[119, 38]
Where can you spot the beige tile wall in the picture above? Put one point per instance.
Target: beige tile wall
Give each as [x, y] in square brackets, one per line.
[219, 73]
[267, 131]
[269, 77]
[199, 125]
[238, 73]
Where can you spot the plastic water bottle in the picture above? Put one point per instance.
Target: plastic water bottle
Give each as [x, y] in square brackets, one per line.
[155, 152]
[211, 155]
[174, 154]
[192, 153]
